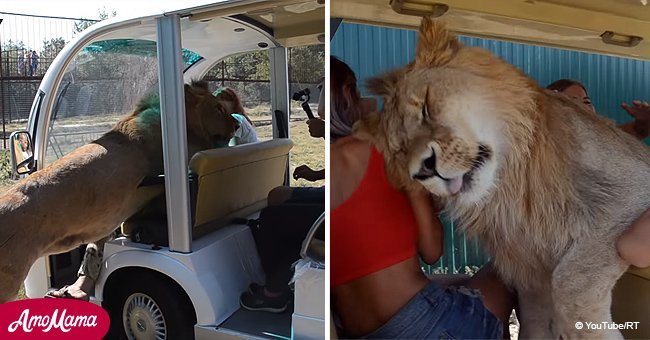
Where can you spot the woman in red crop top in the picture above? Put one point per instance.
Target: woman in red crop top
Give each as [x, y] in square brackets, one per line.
[366, 301]
[376, 232]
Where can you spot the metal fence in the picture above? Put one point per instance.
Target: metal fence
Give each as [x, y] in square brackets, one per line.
[28, 45]
[306, 70]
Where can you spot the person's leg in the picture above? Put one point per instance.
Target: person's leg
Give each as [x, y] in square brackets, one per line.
[87, 274]
[279, 240]
[297, 195]
[279, 195]
[634, 245]
[307, 195]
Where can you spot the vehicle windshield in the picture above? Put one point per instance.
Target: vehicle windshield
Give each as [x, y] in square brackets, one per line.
[102, 84]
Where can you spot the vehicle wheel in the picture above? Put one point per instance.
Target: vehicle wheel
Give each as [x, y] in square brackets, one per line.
[149, 306]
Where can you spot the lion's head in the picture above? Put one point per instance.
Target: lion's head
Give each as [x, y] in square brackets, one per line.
[451, 117]
[208, 121]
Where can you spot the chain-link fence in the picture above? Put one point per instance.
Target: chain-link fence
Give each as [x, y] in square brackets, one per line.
[28, 45]
[248, 74]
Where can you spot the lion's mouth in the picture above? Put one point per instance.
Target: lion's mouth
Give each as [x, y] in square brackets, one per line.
[454, 184]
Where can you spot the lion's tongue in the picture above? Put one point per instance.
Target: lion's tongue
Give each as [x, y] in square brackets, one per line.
[454, 184]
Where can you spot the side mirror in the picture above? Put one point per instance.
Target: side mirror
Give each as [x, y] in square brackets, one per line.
[22, 153]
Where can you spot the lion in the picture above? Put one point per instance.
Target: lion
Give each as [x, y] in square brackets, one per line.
[546, 185]
[83, 196]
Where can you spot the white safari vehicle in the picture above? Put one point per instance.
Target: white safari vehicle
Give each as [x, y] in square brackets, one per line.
[156, 292]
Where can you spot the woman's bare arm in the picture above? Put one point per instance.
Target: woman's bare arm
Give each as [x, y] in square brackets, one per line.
[430, 235]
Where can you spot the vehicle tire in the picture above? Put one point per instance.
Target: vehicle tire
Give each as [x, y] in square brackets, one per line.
[149, 306]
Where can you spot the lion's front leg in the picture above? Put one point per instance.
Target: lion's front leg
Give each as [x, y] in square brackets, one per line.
[582, 290]
[536, 313]
[13, 271]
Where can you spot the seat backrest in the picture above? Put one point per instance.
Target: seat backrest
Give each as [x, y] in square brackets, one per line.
[234, 182]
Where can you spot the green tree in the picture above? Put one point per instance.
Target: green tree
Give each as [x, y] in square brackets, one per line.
[81, 25]
[307, 63]
[246, 66]
[52, 47]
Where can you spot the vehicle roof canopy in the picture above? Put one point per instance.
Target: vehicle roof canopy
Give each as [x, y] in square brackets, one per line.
[231, 27]
[571, 24]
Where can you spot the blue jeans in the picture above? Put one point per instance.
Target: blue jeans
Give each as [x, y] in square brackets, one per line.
[442, 313]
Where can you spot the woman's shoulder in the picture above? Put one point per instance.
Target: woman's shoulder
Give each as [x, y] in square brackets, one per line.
[349, 151]
[350, 144]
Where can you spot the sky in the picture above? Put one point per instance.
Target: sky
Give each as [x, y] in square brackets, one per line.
[89, 8]
[34, 31]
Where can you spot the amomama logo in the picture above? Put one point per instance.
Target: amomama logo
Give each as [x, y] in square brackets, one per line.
[52, 319]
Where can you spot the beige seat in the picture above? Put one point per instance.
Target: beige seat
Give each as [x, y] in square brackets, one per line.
[234, 182]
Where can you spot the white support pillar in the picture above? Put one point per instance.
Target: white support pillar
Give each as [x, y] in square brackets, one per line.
[279, 86]
[174, 134]
[280, 95]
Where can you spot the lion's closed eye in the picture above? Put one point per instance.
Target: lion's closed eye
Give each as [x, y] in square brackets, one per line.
[425, 108]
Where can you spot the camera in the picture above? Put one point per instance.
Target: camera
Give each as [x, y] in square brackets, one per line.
[302, 95]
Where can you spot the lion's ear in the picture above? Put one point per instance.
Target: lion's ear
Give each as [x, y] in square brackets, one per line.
[384, 85]
[192, 96]
[367, 127]
[200, 84]
[436, 45]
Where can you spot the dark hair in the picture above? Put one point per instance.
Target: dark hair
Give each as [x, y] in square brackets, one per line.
[563, 84]
[345, 96]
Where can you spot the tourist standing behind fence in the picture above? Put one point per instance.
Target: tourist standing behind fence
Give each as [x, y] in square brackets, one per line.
[33, 65]
[21, 62]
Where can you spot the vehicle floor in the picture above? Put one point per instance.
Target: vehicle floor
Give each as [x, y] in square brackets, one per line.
[260, 324]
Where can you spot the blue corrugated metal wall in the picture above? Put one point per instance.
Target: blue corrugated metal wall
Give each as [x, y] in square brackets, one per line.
[371, 50]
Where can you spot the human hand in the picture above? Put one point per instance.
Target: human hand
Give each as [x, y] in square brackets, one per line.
[316, 127]
[641, 113]
[307, 173]
[639, 110]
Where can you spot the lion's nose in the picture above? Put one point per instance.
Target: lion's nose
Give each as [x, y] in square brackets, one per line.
[428, 168]
[430, 163]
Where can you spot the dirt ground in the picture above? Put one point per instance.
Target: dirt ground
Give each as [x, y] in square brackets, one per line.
[4, 186]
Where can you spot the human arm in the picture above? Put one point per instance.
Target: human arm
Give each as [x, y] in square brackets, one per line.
[634, 245]
[430, 234]
[307, 173]
[640, 127]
